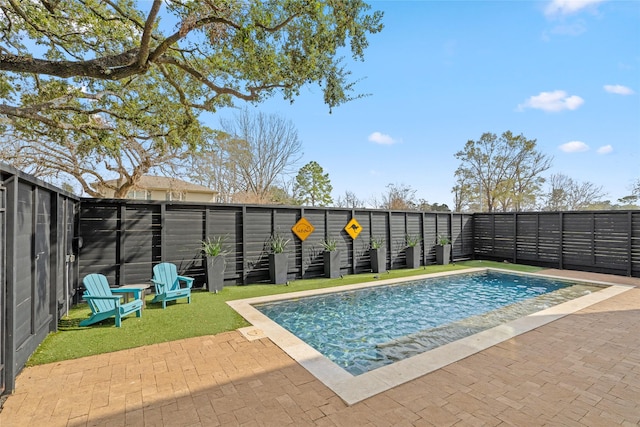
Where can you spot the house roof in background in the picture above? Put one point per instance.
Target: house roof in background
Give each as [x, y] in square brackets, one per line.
[150, 182]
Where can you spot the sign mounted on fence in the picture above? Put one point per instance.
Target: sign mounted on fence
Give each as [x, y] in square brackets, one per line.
[353, 228]
[303, 229]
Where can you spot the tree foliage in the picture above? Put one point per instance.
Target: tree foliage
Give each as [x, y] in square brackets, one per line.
[246, 159]
[207, 53]
[499, 173]
[350, 200]
[424, 206]
[566, 194]
[313, 186]
[399, 197]
[117, 87]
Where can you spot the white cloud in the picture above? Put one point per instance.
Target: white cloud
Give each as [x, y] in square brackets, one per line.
[574, 147]
[555, 101]
[619, 89]
[568, 7]
[605, 149]
[381, 138]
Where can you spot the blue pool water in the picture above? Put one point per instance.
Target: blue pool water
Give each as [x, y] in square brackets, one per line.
[364, 329]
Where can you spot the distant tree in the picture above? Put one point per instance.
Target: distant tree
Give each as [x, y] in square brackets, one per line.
[257, 150]
[425, 206]
[634, 196]
[313, 186]
[215, 165]
[399, 197]
[504, 171]
[566, 194]
[350, 200]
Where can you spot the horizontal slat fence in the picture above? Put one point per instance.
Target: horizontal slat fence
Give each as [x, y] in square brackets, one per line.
[37, 266]
[124, 239]
[603, 241]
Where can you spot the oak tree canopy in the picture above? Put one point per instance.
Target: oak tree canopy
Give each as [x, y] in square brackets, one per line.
[88, 77]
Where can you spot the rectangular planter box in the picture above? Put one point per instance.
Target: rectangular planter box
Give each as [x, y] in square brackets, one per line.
[331, 264]
[413, 256]
[378, 260]
[215, 273]
[278, 267]
[443, 254]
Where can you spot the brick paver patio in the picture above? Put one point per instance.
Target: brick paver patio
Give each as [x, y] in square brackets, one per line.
[581, 370]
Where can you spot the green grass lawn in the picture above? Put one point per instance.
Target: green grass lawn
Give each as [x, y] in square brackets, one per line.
[207, 314]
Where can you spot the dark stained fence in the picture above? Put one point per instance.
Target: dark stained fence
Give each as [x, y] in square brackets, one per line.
[124, 239]
[38, 271]
[603, 241]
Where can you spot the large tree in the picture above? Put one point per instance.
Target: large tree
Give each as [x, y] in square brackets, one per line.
[97, 79]
[313, 186]
[504, 172]
[208, 52]
[131, 131]
[247, 158]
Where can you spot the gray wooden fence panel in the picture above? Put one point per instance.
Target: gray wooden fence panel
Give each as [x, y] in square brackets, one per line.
[414, 228]
[397, 239]
[311, 248]
[634, 244]
[35, 229]
[603, 241]
[177, 229]
[336, 221]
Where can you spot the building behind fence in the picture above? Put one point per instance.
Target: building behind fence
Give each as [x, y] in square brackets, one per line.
[49, 239]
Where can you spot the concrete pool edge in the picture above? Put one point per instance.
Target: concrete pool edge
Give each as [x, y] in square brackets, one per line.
[352, 389]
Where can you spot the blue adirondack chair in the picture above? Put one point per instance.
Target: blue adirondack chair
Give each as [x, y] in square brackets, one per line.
[104, 303]
[167, 284]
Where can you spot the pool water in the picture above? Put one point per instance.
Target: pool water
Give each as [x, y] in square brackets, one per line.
[365, 329]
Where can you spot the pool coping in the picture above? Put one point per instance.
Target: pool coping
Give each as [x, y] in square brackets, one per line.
[352, 389]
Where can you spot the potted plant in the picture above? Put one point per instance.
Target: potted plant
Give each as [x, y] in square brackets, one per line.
[443, 250]
[412, 251]
[378, 255]
[331, 257]
[212, 248]
[278, 262]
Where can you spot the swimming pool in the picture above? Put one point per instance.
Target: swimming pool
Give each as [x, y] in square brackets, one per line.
[365, 329]
[355, 388]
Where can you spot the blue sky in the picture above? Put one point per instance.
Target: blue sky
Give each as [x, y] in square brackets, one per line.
[566, 73]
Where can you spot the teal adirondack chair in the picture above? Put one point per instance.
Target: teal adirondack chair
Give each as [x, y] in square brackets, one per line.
[167, 284]
[104, 303]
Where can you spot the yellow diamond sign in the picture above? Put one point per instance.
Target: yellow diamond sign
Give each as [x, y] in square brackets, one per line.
[303, 229]
[353, 228]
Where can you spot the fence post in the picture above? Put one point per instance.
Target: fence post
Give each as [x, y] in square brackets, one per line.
[560, 257]
[301, 247]
[244, 245]
[629, 243]
[515, 238]
[163, 231]
[122, 216]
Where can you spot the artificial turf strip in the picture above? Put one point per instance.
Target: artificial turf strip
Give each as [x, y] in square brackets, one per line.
[208, 314]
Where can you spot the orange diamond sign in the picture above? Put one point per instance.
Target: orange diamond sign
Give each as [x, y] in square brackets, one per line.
[303, 229]
[353, 228]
